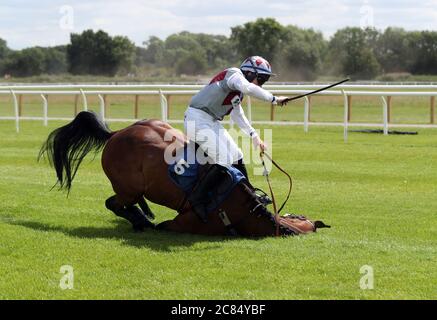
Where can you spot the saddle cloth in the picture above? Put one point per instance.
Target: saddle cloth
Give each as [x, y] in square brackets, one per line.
[185, 171]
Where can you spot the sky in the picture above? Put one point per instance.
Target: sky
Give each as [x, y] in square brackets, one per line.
[26, 23]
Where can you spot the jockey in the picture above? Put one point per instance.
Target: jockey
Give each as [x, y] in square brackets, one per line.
[221, 97]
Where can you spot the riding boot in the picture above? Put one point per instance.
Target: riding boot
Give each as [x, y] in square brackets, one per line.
[264, 198]
[199, 197]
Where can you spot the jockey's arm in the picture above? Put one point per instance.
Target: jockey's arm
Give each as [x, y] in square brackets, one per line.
[238, 116]
[238, 82]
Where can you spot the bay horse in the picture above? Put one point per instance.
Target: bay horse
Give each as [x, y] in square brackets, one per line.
[133, 161]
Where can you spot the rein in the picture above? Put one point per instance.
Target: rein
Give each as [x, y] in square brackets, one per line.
[266, 174]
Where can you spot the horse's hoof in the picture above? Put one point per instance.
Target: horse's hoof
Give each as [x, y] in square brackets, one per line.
[141, 226]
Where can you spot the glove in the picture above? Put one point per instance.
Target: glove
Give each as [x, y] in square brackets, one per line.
[257, 142]
[279, 100]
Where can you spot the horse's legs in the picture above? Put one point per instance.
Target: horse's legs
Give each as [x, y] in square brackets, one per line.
[145, 207]
[190, 223]
[131, 213]
[175, 226]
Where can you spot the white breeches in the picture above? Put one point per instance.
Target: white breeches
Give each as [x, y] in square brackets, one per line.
[212, 138]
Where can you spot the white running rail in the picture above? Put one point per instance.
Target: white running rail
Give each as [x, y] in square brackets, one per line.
[385, 92]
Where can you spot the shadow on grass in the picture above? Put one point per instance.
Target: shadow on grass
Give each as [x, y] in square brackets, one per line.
[152, 239]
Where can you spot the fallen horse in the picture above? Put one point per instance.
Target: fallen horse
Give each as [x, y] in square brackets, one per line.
[133, 160]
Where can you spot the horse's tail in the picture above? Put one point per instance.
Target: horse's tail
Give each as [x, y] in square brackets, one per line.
[68, 145]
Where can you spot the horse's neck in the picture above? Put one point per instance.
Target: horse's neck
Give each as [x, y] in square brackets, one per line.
[246, 212]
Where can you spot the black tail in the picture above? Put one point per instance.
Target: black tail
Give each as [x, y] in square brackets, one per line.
[68, 145]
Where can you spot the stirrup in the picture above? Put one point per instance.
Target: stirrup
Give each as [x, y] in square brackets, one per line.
[265, 200]
[263, 197]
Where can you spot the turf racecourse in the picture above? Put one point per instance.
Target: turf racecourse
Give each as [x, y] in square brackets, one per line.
[378, 192]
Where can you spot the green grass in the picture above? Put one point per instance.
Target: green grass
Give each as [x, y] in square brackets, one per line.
[378, 193]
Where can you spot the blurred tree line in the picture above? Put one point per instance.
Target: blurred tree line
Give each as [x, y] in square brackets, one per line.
[295, 53]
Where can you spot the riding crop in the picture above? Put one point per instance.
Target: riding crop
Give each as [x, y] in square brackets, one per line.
[315, 91]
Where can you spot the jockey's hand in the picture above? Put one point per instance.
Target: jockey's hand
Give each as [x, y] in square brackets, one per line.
[257, 142]
[280, 101]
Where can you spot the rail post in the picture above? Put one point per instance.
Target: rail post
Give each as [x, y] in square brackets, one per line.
[309, 108]
[432, 114]
[17, 115]
[346, 115]
[85, 102]
[45, 109]
[163, 106]
[306, 114]
[102, 106]
[385, 114]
